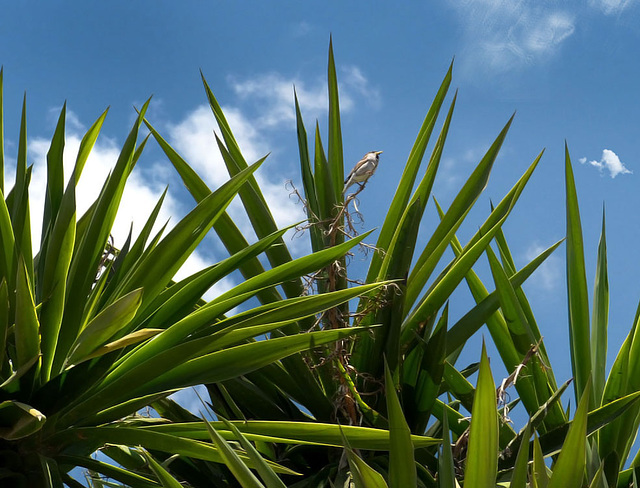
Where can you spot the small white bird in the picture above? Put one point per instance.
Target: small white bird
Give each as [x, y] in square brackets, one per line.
[363, 170]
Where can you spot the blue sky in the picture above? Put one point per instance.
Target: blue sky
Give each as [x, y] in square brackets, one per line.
[569, 69]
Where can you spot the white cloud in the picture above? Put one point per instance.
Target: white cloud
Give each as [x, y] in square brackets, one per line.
[272, 95]
[610, 162]
[141, 194]
[193, 138]
[454, 170]
[611, 7]
[196, 262]
[545, 34]
[354, 79]
[501, 35]
[548, 276]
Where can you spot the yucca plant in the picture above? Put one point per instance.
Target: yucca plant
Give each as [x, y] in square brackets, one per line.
[403, 374]
[342, 383]
[89, 334]
[414, 337]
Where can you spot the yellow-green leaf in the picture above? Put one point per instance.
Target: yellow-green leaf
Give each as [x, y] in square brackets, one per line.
[18, 420]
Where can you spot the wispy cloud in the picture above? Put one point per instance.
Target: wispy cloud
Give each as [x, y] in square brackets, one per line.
[502, 35]
[271, 95]
[301, 29]
[194, 138]
[548, 276]
[454, 170]
[610, 162]
[355, 82]
[611, 7]
[545, 34]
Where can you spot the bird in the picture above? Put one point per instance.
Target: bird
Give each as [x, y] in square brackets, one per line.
[363, 170]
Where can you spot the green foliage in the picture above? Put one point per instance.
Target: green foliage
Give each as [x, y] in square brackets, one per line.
[421, 348]
[90, 335]
[482, 456]
[342, 386]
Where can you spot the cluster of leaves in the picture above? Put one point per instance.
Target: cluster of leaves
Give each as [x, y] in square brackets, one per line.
[89, 336]
[304, 392]
[411, 351]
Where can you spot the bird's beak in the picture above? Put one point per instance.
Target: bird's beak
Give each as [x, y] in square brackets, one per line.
[378, 152]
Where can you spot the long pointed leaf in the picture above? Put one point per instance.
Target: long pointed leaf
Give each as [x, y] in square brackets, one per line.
[267, 474]
[294, 432]
[20, 218]
[226, 229]
[7, 247]
[162, 474]
[55, 261]
[478, 315]
[261, 219]
[600, 319]
[401, 198]
[577, 288]
[86, 145]
[519, 475]
[55, 175]
[105, 325]
[334, 152]
[239, 470]
[568, 470]
[27, 328]
[463, 201]
[92, 245]
[305, 162]
[402, 465]
[482, 455]
[446, 468]
[176, 247]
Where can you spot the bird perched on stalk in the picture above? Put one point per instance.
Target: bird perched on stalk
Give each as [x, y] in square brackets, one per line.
[363, 170]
